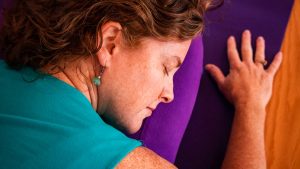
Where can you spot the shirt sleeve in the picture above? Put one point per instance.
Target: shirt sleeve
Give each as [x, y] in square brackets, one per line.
[101, 147]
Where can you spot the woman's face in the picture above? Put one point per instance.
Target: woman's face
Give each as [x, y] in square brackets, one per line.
[137, 80]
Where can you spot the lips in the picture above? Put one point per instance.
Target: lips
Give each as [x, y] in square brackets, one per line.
[153, 106]
[152, 109]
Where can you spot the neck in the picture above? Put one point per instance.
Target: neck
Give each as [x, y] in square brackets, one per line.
[79, 74]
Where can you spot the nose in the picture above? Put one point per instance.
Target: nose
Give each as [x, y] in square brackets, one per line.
[167, 94]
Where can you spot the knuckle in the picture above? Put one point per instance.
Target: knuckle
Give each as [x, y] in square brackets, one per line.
[235, 67]
[246, 49]
[259, 55]
[231, 51]
[269, 75]
[248, 65]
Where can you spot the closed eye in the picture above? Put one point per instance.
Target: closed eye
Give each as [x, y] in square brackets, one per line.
[166, 70]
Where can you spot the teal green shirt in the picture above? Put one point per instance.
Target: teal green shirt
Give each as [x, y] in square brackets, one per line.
[47, 124]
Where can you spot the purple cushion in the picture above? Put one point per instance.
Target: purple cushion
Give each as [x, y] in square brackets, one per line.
[205, 140]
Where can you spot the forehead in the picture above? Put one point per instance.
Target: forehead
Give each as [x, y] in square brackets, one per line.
[170, 47]
[165, 43]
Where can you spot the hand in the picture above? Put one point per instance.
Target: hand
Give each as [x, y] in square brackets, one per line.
[248, 83]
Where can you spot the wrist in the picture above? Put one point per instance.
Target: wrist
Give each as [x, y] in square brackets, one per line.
[249, 104]
[251, 112]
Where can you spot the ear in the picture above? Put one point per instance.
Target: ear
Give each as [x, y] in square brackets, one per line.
[111, 38]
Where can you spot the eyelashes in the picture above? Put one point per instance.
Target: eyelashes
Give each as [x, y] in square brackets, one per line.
[166, 70]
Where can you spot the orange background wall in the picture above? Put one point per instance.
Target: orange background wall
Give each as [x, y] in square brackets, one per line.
[283, 118]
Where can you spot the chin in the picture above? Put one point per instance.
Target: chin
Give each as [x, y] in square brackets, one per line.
[128, 126]
[132, 129]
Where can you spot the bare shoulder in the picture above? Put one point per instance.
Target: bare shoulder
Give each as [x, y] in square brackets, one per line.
[145, 158]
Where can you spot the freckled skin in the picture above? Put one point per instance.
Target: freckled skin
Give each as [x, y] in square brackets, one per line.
[139, 78]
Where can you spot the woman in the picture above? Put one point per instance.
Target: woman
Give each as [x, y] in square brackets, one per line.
[70, 64]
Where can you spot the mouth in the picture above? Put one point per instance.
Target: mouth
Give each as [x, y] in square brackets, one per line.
[150, 111]
[150, 108]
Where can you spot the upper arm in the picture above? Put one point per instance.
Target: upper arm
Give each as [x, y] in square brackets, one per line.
[142, 157]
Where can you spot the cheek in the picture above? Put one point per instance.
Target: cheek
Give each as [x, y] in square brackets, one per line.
[135, 92]
[149, 84]
[141, 83]
[132, 89]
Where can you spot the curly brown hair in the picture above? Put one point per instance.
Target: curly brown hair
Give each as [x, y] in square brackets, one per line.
[37, 33]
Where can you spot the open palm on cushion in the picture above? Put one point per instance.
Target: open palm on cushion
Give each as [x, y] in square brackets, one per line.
[248, 82]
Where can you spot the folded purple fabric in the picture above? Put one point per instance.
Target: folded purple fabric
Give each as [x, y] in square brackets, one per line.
[205, 140]
[163, 131]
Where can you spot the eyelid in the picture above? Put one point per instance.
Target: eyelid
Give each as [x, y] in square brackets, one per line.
[175, 62]
[172, 64]
[179, 62]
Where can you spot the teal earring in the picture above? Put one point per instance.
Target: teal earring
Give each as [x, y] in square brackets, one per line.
[97, 80]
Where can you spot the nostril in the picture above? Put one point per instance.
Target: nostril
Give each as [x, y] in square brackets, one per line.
[166, 100]
[167, 95]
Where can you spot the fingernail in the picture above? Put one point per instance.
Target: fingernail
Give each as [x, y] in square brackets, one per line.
[260, 38]
[207, 67]
[247, 31]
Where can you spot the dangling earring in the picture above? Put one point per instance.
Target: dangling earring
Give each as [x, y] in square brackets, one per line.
[97, 80]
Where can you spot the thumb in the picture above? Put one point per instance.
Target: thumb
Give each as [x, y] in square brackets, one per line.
[216, 73]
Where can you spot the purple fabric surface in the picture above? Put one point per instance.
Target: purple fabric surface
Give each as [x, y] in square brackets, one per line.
[163, 131]
[205, 140]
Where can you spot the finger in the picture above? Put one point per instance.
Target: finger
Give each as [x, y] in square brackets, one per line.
[233, 55]
[260, 51]
[216, 73]
[246, 48]
[274, 66]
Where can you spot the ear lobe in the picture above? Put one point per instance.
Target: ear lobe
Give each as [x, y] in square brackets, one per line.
[110, 39]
